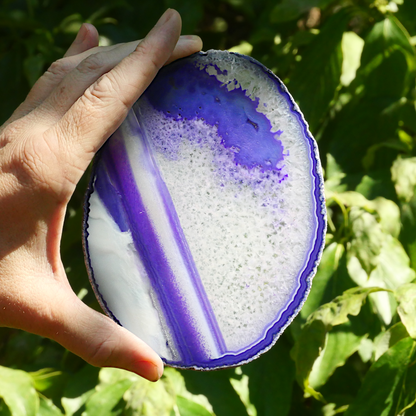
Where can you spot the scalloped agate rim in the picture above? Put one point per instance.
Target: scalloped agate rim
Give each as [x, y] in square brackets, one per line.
[205, 215]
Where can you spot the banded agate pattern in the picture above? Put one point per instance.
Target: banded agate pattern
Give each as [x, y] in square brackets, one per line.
[205, 216]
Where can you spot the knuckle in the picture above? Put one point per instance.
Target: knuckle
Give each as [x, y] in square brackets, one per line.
[93, 63]
[60, 68]
[9, 133]
[106, 91]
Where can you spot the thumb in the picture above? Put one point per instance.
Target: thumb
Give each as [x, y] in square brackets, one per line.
[101, 342]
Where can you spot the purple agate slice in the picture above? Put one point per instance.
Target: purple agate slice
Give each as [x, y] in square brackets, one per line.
[205, 216]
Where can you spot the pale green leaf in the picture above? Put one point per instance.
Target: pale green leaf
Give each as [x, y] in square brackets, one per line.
[367, 238]
[18, 392]
[47, 408]
[387, 212]
[352, 47]
[340, 344]
[334, 176]
[149, 399]
[175, 385]
[393, 268]
[45, 378]
[404, 177]
[311, 341]
[106, 400]
[380, 392]
[406, 298]
[244, 48]
[109, 376]
[188, 407]
[387, 339]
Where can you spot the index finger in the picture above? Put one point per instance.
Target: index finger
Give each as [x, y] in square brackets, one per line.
[104, 105]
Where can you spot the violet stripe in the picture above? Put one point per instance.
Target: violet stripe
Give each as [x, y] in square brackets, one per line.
[115, 162]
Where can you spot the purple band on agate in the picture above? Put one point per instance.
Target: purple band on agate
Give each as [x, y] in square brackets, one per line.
[114, 179]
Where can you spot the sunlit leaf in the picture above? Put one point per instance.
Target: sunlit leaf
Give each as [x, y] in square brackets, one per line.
[145, 398]
[352, 46]
[387, 339]
[340, 344]
[175, 385]
[404, 177]
[188, 407]
[311, 341]
[406, 298]
[367, 238]
[380, 392]
[18, 392]
[106, 400]
[47, 408]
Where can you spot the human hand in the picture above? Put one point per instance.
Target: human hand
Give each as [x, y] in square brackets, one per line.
[45, 147]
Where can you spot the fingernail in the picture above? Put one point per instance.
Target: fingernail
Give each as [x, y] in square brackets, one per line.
[164, 18]
[148, 370]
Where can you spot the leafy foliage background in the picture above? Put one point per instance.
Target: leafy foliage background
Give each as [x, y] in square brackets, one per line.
[351, 66]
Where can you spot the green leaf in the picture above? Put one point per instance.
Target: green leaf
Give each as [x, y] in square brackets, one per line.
[393, 268]
[334, 176]
[387, 211]
[352, 47]
[105, 401]
[380, 392]
[367, 238]
[79, 388]
[387, 339]
[326, 270]
[340, 344]
[188, 407]
[18, 392]
[406, 298]
[149, 399]
[216, 386]
[47, 408]
[403, 174]
[271, 379]
[49, 382]
[315, 88]
[386, 36]
[311, 341]
[175, 385]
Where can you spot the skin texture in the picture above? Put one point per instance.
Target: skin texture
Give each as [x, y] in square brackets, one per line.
[45, 147]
